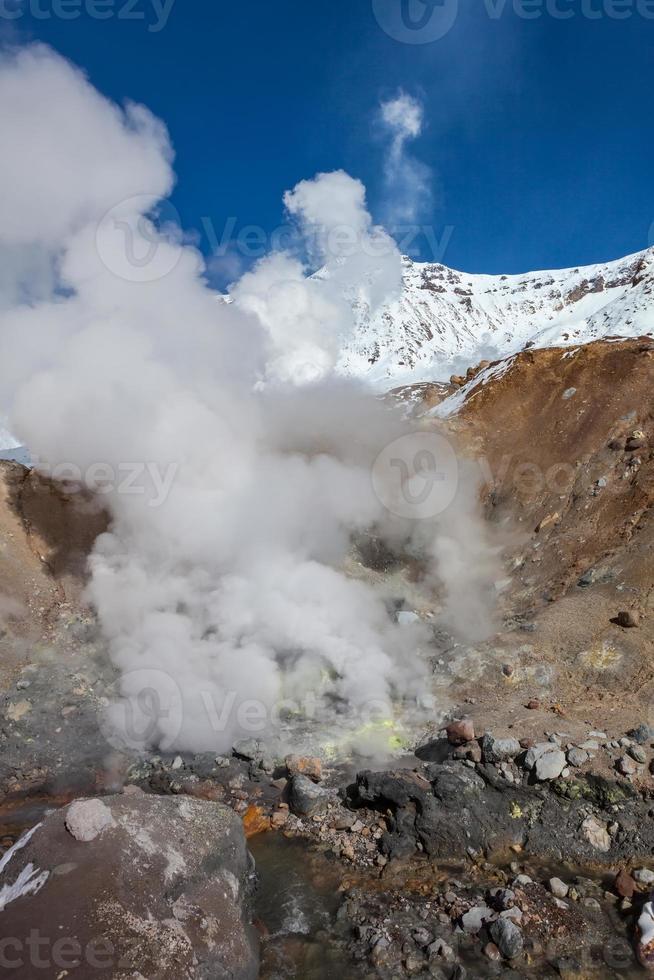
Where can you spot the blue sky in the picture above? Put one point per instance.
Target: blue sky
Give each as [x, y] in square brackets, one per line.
[538, 134]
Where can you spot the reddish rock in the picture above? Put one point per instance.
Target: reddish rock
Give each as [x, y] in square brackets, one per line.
[492, 952]
[460, 732]
[304, 765]
[624, 884]
[534, 704]
[255, 821]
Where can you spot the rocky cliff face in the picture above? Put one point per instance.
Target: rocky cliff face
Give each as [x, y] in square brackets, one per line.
[444, 320]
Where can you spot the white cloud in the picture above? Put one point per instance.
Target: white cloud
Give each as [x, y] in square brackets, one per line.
[408, 180]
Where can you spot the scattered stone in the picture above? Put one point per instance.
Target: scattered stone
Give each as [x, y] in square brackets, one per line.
[590, 745]
[508, 670]
[86, 819]
[18, 710]
[558, 888]
[550, 765]
[596, 834]
[499, 749]
[306, 798]
[460, 732]
[507, 937]
[279, 819]
[644, 876]
[628, 619]
[535, 752]
[534, 704]
[248, 749]
[502, 898]
[304, 765]
[637, 753]
[423, 937]
[568, 394]
[492, 952]
[473, 920]
[624, 884]
[577, 757]
[626, 766]
[547, 521]
[643, 734]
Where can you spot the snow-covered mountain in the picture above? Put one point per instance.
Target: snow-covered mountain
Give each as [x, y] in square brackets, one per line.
[444, 321]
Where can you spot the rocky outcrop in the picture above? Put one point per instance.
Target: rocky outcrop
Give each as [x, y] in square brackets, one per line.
[130, 886]
[452, 810]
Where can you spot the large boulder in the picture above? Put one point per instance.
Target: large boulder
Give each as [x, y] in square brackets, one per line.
[130, 886]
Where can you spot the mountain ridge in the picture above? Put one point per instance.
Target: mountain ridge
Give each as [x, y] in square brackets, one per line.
[444, 321]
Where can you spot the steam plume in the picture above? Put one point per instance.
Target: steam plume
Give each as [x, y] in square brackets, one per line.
[219, 587]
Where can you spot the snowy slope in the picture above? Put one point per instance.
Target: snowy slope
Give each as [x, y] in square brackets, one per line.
[7, 441]
[444, 321]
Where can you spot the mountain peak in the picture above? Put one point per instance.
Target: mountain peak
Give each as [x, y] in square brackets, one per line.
[445, 320]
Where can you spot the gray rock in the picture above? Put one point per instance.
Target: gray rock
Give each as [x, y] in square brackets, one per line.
[577, 757]
[643, 734]
[637, 753]
[550, 765]
[306, 797]
[439, 948]
[249, 749]
[643, 876]
[86, 819]
[536, 752]
[473, 920]
[499, 749]
[507, 937]
[558, 888]
[626, 766]
[515, 914]
[502, 898]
